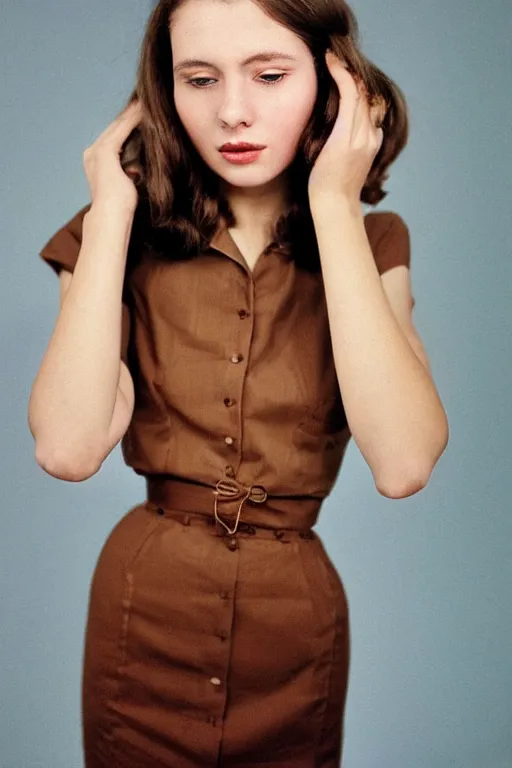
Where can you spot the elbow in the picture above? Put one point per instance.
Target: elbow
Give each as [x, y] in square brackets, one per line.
[401, 487]
[407, 482]
[66, 466]
[411, 479]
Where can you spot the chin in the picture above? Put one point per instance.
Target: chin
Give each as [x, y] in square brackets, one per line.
[248, 176]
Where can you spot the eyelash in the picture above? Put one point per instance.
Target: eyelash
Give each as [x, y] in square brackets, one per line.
[193, 80]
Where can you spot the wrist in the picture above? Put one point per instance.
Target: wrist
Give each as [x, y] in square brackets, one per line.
[109, 217]
[104, 207]
[326, 203]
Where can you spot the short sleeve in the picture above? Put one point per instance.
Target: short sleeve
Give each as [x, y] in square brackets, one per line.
[390, 241]
[61, 251]
[393, 246]
[63, 247]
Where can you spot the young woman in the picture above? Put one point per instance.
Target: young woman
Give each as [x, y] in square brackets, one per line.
[232, 317]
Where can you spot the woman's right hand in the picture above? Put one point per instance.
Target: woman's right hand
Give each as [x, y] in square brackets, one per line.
[108, 182]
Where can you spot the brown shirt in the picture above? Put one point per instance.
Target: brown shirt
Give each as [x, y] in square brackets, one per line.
[233, 370]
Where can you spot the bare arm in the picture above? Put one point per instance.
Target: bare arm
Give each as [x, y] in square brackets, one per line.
[82, 398]
[392, 404]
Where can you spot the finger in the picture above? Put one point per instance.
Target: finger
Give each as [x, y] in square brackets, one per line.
[123, 124]
[360, 127]
[338, 69]
[130, 115]
[378, 111]
[347, 87]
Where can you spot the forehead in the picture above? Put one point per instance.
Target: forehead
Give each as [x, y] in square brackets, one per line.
[228, 26]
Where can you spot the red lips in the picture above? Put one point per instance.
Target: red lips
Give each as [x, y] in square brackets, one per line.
[242, 146]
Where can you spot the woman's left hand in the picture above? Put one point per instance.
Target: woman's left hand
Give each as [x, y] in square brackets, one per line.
[345, 160]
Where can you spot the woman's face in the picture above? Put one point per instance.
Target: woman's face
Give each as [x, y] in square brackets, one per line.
[266, 102]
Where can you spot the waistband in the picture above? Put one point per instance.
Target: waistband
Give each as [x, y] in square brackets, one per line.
[226, 502]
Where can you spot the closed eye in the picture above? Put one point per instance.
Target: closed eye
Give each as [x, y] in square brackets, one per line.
[194, 81]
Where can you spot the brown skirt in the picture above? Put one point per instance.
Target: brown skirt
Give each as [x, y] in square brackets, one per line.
[204, 649]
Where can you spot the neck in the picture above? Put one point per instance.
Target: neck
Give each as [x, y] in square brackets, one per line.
[257, 208]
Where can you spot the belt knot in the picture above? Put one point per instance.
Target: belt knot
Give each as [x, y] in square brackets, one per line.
[232, 489]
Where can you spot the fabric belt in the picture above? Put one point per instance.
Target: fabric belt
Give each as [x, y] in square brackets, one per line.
[182, 499]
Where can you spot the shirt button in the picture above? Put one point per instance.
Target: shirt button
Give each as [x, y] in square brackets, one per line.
[228, 401]
[242, 313]
[236, 358]
[229, 470]
[229, 440]
[232, 544]
[215, 681]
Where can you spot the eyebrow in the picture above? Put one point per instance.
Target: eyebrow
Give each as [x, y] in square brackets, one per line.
[265, 56]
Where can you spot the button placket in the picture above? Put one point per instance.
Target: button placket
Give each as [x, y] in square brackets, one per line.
[229, 402]
[229, 470]
[235, 358]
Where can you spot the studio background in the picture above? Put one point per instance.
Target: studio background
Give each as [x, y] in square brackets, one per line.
[428, 578]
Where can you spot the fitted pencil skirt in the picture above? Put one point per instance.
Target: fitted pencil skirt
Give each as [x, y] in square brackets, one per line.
[204, 649]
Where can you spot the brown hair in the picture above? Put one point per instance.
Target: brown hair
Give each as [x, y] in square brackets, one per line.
[179, 199]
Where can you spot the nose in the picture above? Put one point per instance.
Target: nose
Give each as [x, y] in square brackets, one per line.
[235, 107]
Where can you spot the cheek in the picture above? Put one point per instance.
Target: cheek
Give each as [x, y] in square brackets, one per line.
[294, 111]
[290, 121]
[190, 115]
